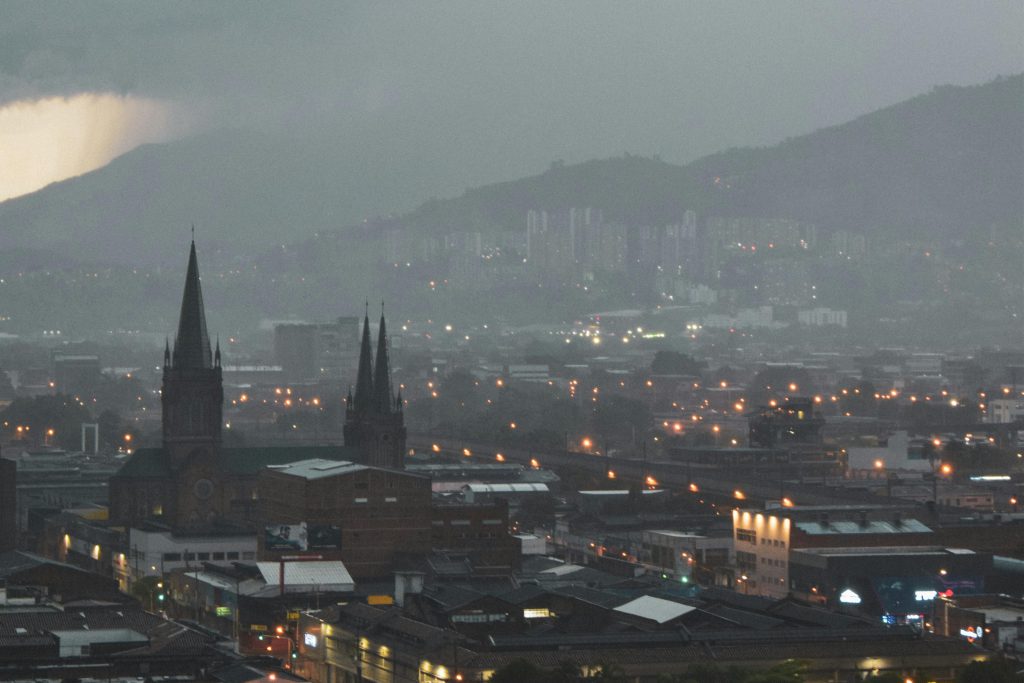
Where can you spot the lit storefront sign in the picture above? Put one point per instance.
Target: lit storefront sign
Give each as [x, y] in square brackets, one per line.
[970, 633]
[849, 597]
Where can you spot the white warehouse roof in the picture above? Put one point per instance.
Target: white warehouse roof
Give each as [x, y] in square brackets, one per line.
[306, 576]
[655, 609]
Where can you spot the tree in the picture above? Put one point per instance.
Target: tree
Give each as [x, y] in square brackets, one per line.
[992, 671]
[148, 591]
[37, 416]
[675, 363]
[619, 415]
[790, 671]
[518, 671]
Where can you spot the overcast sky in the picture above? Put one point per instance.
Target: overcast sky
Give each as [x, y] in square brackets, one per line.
[462, 93]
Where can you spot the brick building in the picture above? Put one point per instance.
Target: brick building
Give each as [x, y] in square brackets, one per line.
[344, 511]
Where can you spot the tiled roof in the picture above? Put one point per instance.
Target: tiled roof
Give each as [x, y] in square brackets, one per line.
[145, 463]
[163, 635]
[881, 646]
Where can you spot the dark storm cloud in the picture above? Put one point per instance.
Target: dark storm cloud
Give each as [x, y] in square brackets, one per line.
[464, 92]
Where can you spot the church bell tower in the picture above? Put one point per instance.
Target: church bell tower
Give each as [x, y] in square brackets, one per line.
[374, 417]
[192, 396]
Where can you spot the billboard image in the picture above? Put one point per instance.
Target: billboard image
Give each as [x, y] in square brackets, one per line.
[324, 537]
[285, 537]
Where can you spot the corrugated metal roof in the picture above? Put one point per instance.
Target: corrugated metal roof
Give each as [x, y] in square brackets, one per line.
[325, 575]
[906, 526]
[655, 609]
[506, 488]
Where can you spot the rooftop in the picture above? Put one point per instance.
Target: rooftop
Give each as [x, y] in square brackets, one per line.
[655, 609]
[317, 468]
[327, 575]
[905, 526]
[154, 462]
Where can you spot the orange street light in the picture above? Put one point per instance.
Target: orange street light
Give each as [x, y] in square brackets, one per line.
[739, 495]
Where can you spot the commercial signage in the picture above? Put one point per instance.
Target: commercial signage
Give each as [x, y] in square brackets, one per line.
[257, 627]
[223, 611]
[968, 632]
[849, 597]
[309, 639]
[285, 537]
[324, 537]
[293, 616]
[922, 596]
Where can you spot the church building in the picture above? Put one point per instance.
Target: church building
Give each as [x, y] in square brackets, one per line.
[191, 483]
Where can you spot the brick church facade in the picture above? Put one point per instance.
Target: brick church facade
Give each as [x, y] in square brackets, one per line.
[191, 482]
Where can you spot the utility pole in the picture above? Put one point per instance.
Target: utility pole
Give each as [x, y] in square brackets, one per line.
[238, 607]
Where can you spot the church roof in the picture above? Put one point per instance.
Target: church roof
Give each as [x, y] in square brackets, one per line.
[363, 399]
[383, 400]
[192, 343]
[154, 462]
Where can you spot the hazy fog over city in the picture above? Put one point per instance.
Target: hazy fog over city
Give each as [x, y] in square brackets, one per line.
[512, 341]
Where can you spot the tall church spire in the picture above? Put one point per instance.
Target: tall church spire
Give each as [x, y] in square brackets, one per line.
[362, 402]
[192, 343]
[383, 401]
[374, 420]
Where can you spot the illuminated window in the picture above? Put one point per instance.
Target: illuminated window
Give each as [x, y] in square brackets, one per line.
[536, 613]
[747, 535]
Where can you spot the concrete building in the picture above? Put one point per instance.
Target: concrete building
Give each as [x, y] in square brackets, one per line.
[896, 454]
[157, 552]
[898, 584]
[313, 351]
[8, 505]
[761, 546]
[1003, 410]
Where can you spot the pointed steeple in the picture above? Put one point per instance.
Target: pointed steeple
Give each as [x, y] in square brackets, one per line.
[167, 353]
[192, 344]
[216, 355]
[383, 399]
[363, 400]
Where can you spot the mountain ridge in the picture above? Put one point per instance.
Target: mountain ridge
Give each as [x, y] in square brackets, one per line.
[834, 176]
[931, 166]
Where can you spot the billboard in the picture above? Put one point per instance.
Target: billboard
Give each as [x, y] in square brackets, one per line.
[324, 537]
[285, 537]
